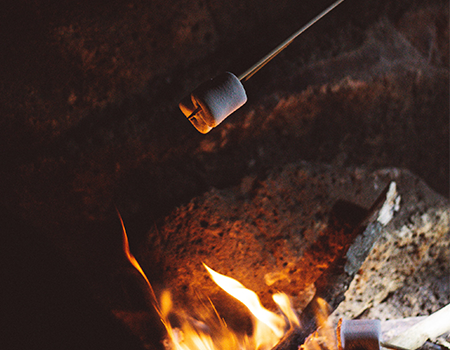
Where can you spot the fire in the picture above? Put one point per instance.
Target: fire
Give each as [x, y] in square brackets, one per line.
[131, 258]
[325, 336]
[269, 327]
[208, 331]
[249, 298]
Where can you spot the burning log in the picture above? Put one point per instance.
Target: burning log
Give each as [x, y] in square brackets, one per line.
[406, 273]
[333, 281]
[334, 256]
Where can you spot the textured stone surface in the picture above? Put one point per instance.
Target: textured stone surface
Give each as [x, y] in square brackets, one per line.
[99, 125]
[407, 273]
[274, 234]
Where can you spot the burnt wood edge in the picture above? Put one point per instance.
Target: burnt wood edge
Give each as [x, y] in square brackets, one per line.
[365, 227]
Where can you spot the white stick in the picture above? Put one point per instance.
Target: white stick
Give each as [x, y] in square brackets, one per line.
[431, 327]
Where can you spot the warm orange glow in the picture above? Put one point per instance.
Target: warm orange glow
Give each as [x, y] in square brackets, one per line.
[249, 298]
[325, 336]
[133, 261]
[210, 332]
[283, 301]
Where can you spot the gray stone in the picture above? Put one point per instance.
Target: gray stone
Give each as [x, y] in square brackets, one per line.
[267, 238]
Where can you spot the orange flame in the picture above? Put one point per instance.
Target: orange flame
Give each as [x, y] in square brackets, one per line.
[249, 298]
[269, 327]
[134, 262]
[325, 336]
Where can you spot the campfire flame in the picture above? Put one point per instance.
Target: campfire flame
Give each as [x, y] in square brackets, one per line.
[325, 336]
[210, 331]
[249, 298]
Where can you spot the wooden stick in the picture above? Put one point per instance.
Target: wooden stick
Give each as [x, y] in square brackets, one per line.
[431, 327]
[329, 286]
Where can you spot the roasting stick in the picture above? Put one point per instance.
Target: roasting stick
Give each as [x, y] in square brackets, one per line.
[431, 327]
[261, 63]
[214, 100]
[366, 334]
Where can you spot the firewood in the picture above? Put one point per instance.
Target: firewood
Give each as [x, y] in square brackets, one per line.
[431, 327]
[332, 284]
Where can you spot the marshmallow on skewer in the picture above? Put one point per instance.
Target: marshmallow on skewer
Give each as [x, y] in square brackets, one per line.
[359, 334]
[217, 98]
[214, 100]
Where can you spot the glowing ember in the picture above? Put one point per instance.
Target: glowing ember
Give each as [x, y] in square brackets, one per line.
[325, 336]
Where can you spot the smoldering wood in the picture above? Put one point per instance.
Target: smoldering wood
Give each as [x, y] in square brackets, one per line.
[211, 226]
[333, 283]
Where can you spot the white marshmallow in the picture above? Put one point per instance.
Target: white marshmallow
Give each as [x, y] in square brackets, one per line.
[213, 101]
[360, 334]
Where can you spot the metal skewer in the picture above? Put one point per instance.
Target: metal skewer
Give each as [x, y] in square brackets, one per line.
[256, 67]
[261, 63]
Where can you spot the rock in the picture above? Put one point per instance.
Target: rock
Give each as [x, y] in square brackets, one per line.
[277, 235]
[407, 272]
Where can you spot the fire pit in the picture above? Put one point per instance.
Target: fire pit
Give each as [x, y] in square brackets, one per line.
[355, 229]
[331, 258]
[272, 197]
